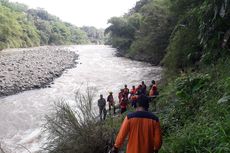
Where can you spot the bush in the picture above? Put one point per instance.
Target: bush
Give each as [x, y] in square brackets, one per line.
[77, 129]
[182, 100]
[194, 111]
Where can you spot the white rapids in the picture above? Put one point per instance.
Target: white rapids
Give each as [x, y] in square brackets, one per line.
[22, 115]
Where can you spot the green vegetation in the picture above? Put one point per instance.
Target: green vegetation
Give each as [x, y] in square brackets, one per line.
[15, 29]
[194, 111]
[78, 129]
[23, 27]
[191, 39]
[144, 32]
[95, 36]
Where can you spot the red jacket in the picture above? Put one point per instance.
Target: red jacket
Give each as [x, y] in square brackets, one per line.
[153, 90]
[120, 95]
[133, 91]
[123, 103]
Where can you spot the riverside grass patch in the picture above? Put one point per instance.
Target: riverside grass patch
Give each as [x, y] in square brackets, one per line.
[195, 112]
[77, 129]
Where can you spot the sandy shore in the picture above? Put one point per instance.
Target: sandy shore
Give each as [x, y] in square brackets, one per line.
[26, 69]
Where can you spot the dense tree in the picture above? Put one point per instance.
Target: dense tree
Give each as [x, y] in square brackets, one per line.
[53, 31]
[200, 31]
[154, 32]
[18, 7]
[23, 27]
[78, 36]
[16, 30]
[95, 36]
[200, 34]
[122, 33]
[144, 32]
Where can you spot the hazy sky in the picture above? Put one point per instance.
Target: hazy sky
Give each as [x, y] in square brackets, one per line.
[83, 12]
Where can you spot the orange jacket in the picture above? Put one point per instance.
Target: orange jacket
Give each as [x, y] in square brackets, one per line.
[143, 131]
[134, 98]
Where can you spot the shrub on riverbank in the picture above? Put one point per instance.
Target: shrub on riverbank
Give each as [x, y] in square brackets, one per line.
[78, 129]
[195, 111]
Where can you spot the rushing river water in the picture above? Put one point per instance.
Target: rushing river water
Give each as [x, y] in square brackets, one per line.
[22, 115]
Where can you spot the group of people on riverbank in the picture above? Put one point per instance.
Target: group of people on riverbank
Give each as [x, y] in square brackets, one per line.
[127, 97]
[142, 127]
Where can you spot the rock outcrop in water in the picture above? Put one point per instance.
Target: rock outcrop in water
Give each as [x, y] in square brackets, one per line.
[25, 69]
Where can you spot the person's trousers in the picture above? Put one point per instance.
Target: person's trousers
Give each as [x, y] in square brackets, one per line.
[102, 111]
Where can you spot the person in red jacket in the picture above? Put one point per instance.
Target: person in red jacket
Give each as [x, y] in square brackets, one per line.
[111, 102]
[153, 89]
[133, 96]
[133, 91]
[143, 131]
[123, 104]
[120, 95]
[126, 91]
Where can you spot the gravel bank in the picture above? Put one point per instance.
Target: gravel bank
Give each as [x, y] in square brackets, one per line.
[25, 69]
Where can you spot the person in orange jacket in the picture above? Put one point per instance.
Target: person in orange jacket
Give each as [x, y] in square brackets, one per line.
[143, 131]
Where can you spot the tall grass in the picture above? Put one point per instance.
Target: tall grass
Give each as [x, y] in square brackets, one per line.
[77, 129]
[195, 111]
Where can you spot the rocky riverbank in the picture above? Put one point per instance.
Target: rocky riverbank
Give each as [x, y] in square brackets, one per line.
[25, 69]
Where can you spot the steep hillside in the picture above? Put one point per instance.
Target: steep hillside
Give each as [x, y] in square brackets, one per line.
[24, 27]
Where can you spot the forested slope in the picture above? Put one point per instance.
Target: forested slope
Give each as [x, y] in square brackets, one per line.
[154, 28]
[24, 27]
[191, 39]
[95, 35]
[143, 33]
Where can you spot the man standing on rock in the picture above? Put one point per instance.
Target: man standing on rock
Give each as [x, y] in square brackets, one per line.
[143, 131]
[101, 104]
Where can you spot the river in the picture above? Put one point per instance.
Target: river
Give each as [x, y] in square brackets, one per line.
[22, 115]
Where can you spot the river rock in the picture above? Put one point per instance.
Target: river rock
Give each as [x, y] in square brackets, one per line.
[25, 69]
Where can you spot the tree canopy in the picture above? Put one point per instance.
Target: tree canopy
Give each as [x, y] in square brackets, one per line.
[143, 33]
[23, 27]
[177, 33]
